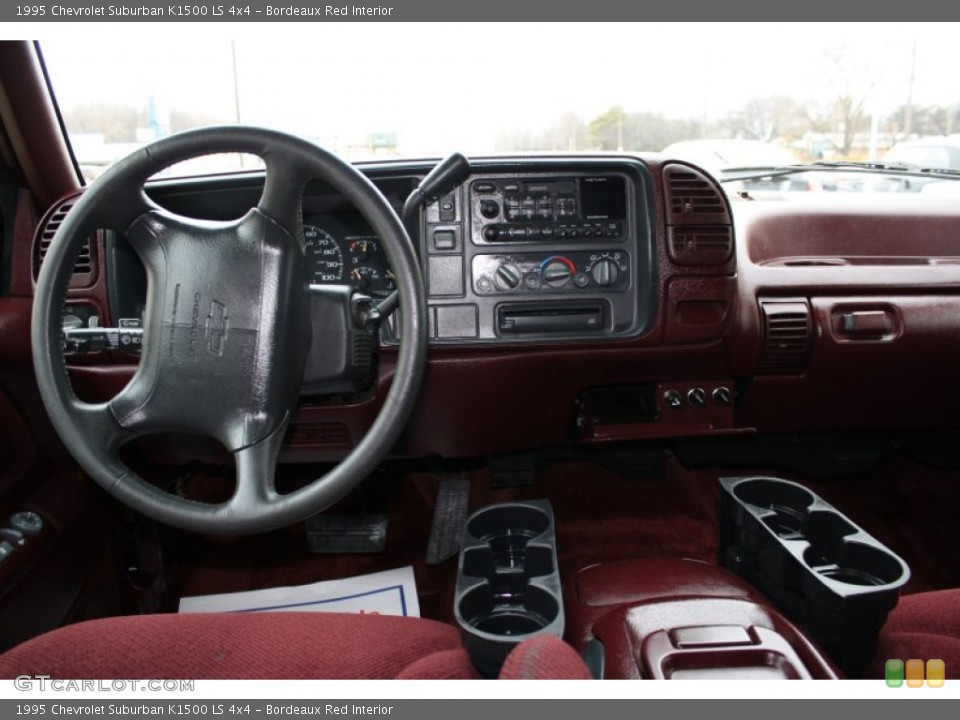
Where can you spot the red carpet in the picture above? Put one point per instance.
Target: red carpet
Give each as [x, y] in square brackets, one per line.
[600, 515]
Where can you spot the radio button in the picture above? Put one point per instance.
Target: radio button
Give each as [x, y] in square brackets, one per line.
[491, 233]
[489, 209]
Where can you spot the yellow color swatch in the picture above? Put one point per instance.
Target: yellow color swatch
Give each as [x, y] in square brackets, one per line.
[936, 673]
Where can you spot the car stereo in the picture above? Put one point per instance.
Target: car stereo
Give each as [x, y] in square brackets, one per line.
[545, 210]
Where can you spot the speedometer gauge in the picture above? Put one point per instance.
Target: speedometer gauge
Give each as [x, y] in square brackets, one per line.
[323, 255]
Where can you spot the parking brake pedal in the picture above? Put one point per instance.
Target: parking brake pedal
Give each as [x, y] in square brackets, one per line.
[449, 517]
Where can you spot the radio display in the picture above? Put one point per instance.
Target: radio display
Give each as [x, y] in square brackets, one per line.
[603, 198]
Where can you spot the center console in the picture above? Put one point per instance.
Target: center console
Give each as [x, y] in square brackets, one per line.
[561, 253]
[803, 594]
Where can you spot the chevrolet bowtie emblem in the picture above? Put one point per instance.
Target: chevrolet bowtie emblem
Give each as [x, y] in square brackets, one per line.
[216, 327]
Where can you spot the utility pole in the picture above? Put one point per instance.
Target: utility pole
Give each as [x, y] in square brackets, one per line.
[236, 87]
[908, 109]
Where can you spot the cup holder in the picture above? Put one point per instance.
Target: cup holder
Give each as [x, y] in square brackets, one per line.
[818, 566]
[827, 531]
[785, 504]
[488, 561]
[508, 587]
[854, 563]
[517, 613]
[508, 520]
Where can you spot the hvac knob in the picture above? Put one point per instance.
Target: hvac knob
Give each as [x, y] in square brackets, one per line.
[507, 277]
[605, 273]
[557, 272]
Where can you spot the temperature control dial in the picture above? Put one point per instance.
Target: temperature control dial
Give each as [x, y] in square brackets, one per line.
[557, 270]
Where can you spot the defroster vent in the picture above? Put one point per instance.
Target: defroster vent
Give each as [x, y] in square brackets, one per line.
[787, 336]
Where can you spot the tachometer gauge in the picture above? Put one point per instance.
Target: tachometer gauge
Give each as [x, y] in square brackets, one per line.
[323, 255]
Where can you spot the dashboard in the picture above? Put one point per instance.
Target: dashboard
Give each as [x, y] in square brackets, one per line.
[604, 299]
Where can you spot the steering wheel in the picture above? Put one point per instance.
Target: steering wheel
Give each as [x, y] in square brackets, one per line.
[226, 330]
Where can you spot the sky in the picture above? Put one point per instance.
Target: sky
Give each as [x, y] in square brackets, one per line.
[451, 86]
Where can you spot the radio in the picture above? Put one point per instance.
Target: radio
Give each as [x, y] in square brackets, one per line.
[507, 210]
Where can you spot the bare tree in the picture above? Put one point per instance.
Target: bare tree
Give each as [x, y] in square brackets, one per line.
[765, 119]
[844, 114]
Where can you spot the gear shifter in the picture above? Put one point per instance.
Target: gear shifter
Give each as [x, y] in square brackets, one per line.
[445, 176]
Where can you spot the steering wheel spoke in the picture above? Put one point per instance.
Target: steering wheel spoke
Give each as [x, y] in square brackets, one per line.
[286, 179]
[256, 467]
[100, 425]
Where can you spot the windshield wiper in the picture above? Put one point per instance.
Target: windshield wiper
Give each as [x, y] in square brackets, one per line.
[773, 171]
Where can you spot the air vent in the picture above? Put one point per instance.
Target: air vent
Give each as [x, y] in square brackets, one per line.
[701, 245]
[787, 335]
[318, 435]
[693, 198]
[83, 268]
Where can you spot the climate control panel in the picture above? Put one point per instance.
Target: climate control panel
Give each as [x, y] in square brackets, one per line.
[541, 273]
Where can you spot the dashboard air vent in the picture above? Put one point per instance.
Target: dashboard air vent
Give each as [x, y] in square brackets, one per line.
[693, 198]
[787, 335]
[84, 264]
[705, 245]
[321, 434]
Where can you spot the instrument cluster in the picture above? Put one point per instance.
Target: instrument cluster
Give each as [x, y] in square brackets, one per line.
[344, 251]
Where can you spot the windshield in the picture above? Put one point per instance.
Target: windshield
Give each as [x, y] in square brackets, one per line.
[720, 95]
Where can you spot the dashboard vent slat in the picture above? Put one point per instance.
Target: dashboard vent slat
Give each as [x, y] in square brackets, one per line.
[701, 245]
[787, 335]
[320, 434]
[83, 267]
[692, 198]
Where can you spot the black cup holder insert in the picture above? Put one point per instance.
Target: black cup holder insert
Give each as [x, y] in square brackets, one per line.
[822, 570]
[508, 587]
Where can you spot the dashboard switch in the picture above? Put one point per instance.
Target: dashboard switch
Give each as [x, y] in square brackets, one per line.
[672, 399]
[14, 537]
[697, 397]
[448, 208]
[444, 240]
[27, 522]
[722, 396]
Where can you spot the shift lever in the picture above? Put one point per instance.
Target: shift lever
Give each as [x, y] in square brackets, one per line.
[445, 176]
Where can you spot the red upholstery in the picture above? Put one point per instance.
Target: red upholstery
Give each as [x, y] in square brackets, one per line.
[245, 645]
[544, 658]
[925, 626]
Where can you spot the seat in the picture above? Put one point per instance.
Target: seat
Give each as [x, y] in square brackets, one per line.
[273, 646]
[924, 626]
